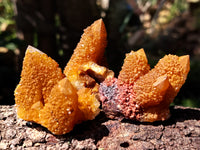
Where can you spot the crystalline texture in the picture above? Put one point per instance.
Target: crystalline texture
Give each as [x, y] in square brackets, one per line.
[46, 96]
[145, 94]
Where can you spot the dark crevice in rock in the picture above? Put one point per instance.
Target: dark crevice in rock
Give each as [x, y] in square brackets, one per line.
[124, 144]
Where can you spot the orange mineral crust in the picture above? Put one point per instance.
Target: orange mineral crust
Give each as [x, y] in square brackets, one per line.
[46, 96]
[162, 85]
[59, 101]
[83, 69]
[60, 114]
[39, 74]
[88, 103]
[90, 48]
[88, 89]
[148, 93]
[135, 65]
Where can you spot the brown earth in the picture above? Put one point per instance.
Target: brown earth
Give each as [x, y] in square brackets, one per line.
[181, 131]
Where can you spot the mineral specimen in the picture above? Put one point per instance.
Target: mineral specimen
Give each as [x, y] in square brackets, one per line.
[58, 101]
[60, 113]
[143, 94]
[46, 96]
[83, 70]
[39, 74]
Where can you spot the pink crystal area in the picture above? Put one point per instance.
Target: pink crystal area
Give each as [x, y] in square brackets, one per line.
[117, 99]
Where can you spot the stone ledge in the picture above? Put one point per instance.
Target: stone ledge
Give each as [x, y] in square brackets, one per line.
[181, 131]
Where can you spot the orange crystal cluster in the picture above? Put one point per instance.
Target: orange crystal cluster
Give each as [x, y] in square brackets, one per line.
[143, 94]
[58, 101]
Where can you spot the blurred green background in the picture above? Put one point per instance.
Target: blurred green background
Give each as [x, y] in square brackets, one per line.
[159, 26]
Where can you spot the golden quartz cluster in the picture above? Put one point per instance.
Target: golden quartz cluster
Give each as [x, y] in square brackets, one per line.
[58, 100]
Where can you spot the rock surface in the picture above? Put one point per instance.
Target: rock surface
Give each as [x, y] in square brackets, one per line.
[181, 131]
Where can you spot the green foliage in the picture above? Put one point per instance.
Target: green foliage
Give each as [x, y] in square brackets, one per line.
[6, 13]
[9, 40]
[8, 37]
[152, 2]
[187, 102]
[178, 6]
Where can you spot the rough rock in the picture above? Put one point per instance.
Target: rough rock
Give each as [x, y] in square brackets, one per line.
[181, 131]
